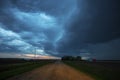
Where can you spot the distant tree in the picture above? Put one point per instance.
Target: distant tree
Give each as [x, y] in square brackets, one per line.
[67, 58]
[71, 58]
[78, 58]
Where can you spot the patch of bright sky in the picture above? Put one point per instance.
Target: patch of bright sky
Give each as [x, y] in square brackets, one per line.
[26, 56]
[7, 33]
[17, 41]
[40, 19]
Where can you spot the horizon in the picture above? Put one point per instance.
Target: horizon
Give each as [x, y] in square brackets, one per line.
[52, 29]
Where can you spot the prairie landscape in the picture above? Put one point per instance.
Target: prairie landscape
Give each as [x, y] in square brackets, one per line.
[20, 69]
[59, 39]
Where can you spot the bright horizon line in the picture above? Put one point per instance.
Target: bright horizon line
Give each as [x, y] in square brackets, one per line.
[27, 56]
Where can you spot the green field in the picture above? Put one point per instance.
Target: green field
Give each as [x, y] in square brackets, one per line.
[9, 70]
[97, 70]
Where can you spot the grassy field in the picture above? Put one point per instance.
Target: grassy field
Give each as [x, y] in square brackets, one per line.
[98, 70]
[12, 69]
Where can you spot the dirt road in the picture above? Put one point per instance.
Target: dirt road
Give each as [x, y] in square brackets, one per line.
[56, 71]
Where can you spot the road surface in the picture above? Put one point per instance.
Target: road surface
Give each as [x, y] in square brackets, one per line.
[56, 71]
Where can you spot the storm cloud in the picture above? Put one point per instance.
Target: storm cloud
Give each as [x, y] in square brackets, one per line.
[58, 28]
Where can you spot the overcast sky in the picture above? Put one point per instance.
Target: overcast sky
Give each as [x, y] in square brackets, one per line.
[60, 27]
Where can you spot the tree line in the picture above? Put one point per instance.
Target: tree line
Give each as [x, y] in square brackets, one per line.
[72, 58]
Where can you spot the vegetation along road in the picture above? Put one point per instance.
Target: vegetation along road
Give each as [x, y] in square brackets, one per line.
[55, 71]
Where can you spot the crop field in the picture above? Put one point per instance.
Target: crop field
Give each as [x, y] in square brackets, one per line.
[101, 70]
[12, 67]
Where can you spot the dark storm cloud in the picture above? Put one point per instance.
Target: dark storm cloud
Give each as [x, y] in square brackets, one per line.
[25, 25]
[7, 48]
[97, 22]
[105, 25]
[64, 27]
[108, 50]
[51, 7]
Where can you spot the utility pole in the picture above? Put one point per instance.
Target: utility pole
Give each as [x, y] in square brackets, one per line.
[35, 53]
[35, 48]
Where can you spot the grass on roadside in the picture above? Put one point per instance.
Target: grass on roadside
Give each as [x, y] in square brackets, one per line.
[12, 70]
[98, 73]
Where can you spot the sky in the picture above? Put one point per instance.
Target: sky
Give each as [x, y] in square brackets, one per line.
[56, 28]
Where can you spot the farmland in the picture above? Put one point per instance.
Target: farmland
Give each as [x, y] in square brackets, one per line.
[101, 70]
[12, 67]
[54, 71]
